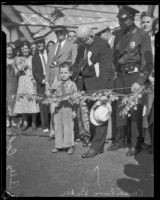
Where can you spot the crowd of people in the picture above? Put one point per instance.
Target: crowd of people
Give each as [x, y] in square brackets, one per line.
[82, 60]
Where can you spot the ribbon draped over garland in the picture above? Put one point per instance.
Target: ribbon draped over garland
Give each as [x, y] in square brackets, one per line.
[127, 101]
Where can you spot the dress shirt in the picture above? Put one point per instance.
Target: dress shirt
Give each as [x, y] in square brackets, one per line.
[62, 44]
[45, 57]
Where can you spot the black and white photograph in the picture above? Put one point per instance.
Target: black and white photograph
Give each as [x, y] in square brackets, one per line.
[79, 99]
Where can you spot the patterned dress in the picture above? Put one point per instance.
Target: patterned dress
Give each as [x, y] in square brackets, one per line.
[26, 85]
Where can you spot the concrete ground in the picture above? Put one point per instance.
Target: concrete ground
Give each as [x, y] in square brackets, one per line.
[33, 171]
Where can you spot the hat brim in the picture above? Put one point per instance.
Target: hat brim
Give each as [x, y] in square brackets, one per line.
[38, 38]
[101, 30]
[59, 27]
[92, 118]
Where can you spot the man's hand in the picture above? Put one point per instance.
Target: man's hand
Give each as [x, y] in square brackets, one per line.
[135, 87]
[73, 114]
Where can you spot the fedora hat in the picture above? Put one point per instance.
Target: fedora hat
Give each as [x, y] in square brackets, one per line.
[102, 29]
[38, 37]
[100, 113]
[59, 28]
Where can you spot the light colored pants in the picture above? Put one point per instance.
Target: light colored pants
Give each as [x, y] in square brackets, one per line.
[64, 134]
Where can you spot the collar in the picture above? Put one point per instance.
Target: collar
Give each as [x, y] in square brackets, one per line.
[65, 82]
[130, 30]
[44, 52]
[62, 41]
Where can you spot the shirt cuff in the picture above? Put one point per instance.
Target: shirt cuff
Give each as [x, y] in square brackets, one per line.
[43, 81]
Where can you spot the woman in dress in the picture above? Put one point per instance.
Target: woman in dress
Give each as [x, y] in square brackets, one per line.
[12, 84]
[26, 85]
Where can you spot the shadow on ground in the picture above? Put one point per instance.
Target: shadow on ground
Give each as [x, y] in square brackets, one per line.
[143, 173]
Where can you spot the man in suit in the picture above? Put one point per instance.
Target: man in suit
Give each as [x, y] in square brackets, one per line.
[63, 51]
[39, 69]
[106, 34]
[95, 68]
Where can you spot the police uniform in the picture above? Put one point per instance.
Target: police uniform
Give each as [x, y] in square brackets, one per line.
[133, 61]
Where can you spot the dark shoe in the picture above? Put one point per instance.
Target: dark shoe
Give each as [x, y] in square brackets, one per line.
[43, 135]
[101, 151]
[115, 147]
[24, 127]
[89, 154]
[146, 146]
[51, 138]
[85, 144]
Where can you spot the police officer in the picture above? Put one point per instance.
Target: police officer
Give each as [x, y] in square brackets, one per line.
[133, 61]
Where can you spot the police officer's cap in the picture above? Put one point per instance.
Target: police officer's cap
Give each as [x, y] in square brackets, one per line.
[126, 11]
[102, 30]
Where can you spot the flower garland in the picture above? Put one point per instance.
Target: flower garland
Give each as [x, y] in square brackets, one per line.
[128, 101]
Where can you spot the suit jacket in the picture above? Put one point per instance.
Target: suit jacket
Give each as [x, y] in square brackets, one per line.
[100, 53]
[37, 71]
[67, 54]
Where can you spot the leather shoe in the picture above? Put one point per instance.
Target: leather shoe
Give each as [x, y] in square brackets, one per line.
[25, 127]
[115, 147]
[89, 154]
[50, 138]
[145, 146]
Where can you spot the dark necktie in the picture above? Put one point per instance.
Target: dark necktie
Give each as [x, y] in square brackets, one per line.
[58, 49]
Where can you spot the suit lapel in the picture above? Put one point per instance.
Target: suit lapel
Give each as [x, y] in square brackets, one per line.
[65, 46]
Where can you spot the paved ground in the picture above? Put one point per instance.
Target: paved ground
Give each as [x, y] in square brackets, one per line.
[32, 170]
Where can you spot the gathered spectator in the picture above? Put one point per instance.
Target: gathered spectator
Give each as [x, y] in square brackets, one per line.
[149, 97]
[65, 111]
[26, 85]
[33, 49]
[146, 21]
[106, 34]
[72, 35]
[49, 45]
[39, 69]
[12, 84]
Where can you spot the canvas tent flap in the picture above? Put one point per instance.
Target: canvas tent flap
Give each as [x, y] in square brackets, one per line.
[31, 19]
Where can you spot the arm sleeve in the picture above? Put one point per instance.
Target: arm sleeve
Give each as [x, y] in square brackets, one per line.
[147, 58]
[74, 99]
